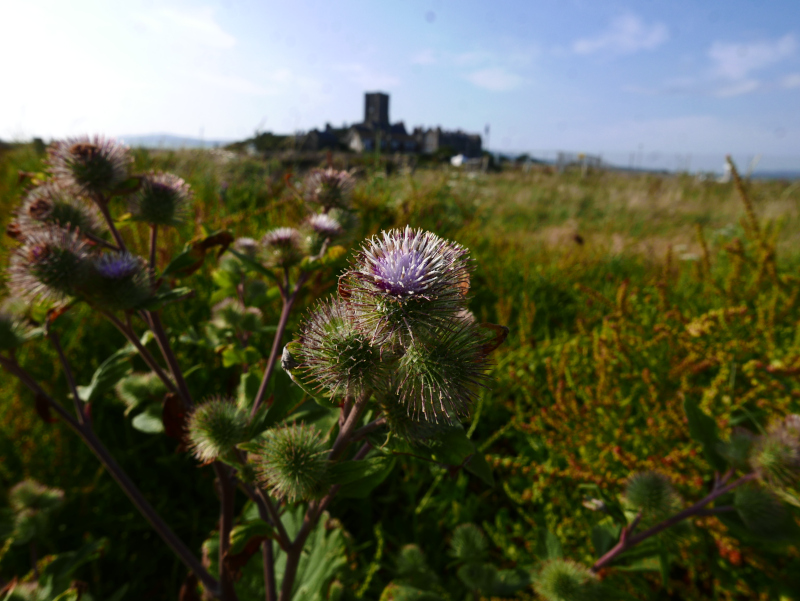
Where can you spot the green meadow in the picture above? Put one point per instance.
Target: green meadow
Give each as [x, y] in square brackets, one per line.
[625, 295]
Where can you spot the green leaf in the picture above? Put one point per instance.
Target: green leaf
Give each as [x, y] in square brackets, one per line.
[547, 545]
[167, 296]
[351, 471]
[149, 421]
[242, 533]
[402, 592]
[604, 536]
[183, 260]
[478, 466]
[477, 577]
[253, 264]
[105, 377]
[703, 430]
[360, 486]
[249, 383]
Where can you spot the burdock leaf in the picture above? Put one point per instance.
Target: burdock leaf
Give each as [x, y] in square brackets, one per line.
[167, 296]
[149, 421]
[497, 337]
[703, 430]
[111, 371]
[380, 468]
[193, 255]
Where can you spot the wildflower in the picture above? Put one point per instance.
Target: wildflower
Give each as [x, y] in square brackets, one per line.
[407, 280]
[52, 204]
[413, 428]
[324, 225]
[51, 265]
[215, 427]
[246, 246]
[336, 355]
[329, 188]
[439, 375]
[95, 165]
[564, 580]
[651, 494]
[282, 247]
[293, 462]
[162, 199]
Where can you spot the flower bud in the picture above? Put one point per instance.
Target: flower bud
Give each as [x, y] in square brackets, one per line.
[776, 458]
[51, 265]
[439, 375]
[329, 188]
[246, 246]
[650, 493]
[468, 543]
[737, 449]
[55, 205]
[762, 512]
[282, 247]
[215, 427]
[413, 428]
[320, 227]
[404, 283]
[293, 463]
[162, 199]
[95, 165]
[336, 355]
[564, 580]
[118, 281]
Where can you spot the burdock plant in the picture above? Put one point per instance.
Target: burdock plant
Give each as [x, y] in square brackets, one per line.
[389, 366]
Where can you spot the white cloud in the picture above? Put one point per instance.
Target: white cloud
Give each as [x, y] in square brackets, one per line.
[195, 24]
[736, 61]
[738, 88]
[496, 79]
[626, 34]
[366, 78]
[424, 57]
[791, 81]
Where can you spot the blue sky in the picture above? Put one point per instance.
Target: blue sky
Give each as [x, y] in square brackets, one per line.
[621, 78]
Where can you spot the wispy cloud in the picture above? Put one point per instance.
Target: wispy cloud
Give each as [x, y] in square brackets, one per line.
[791, 81]
[737, 61]
[496, 79]
[738, 88]
[366, 77]
[195, 24]
[626, 34]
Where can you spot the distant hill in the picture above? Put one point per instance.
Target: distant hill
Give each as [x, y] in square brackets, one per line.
[170, 141]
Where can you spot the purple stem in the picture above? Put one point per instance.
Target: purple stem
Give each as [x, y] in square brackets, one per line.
[169, 357]
[102, 204]
[227, 491]
[626, 542]
[79, 406]
[153, 240]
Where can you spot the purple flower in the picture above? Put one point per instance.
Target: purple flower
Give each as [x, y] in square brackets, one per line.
[118, 265]
[324, 225]
[329, 188]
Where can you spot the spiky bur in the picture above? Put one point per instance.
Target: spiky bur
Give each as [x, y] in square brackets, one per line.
[336, 355]
[247, 246]
[776, 458]
[215, 427]
[329, 188]
[439, 374]
[282, 247]
[117, 281]
[404, 283]
[564, 580]
[651, 494]
[762, 512]
[319, 228]
[293, 463]
[32, 504]
[92, 164]
[51, 204]
[468, 543]
[51, 265]
[401, 423]
[162, 199]
[738, 448]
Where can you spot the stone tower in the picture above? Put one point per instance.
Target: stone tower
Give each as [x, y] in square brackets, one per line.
[376, 109]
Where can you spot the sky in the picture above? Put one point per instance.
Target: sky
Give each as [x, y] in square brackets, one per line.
[632, 80]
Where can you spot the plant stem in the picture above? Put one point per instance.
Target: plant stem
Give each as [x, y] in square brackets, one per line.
[695, 510]
[119, 475]
[102, 204]
[268, 558]
[128, 332]
[79, 407]
[276, 343]
[227, 491]
[169, 357]
[153, 241]
[369, 428]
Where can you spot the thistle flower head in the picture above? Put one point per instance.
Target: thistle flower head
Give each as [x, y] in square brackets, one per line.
[439, 375]
[51, 265]
[762, 512]
[282, 247]
[324, 225]
[413, 428]
[650, 493]
[215, 427]
[564, 580]
[91, 164]
[776, 458]
[409, 280]
[329, 188]
[55, 205]
[336, 355]
[162, 199]
[117, 281]
[247, 246]
[293, 462]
